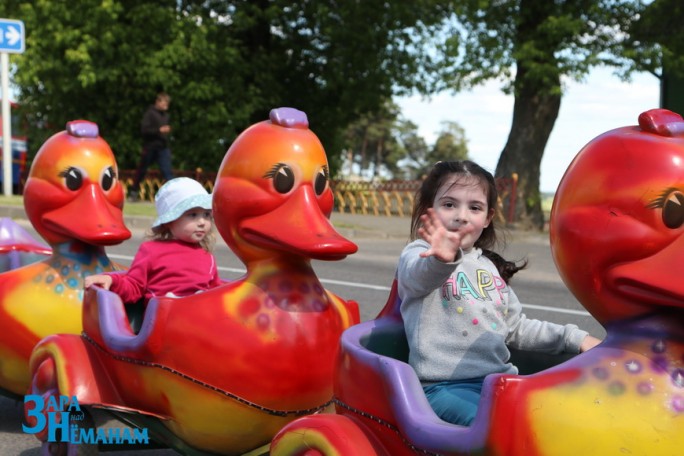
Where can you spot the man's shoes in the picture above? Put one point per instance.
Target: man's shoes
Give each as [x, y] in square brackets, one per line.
[133, 197]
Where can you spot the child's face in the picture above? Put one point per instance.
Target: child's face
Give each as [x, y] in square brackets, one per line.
[192, 226]
[461, 205]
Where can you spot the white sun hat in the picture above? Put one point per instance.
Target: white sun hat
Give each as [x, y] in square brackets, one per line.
[177, 196]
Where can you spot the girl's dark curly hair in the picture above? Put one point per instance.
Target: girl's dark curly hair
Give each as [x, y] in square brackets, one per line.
[425, 196]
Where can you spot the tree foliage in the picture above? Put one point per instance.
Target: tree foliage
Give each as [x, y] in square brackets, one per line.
[657, 38]
[105, 60]
[371, 143]
[531, 46]
[450, 144]
[384, 144]
[225, 64]
[415, 150]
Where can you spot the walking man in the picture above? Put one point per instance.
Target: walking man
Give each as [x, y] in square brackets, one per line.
[155, 130]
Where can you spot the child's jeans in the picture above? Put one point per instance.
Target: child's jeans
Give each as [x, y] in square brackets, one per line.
[455, 401]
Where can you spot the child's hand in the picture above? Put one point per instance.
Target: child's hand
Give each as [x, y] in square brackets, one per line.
[102, 280]
[444, 244]
[588, 343]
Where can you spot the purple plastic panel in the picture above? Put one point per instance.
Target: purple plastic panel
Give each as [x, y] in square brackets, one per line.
[82, 129]
[289, 117]
[114, 326]
[11, 234]
[414, 417]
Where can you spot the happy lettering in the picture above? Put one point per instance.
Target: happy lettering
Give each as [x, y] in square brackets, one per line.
[460, 286]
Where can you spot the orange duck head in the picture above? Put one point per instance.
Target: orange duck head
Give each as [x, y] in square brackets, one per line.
[73, 199]
[617, 223]
[72, 192]
[273, 189]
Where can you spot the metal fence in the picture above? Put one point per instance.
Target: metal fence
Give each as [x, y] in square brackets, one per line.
[153, 180]
[390, 198]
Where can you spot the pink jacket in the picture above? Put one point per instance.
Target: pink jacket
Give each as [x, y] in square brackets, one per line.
[162, 267]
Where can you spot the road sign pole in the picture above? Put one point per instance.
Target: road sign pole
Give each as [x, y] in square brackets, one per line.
[6, 127]
[11, 40]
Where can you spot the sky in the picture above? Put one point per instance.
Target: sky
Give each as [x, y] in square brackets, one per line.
[599, 104]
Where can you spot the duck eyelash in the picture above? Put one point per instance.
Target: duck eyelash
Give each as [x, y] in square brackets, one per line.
[326, 171]
[66, 171]
[660, 201]
[272, 172]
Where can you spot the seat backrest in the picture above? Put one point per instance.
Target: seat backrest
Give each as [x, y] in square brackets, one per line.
[387, 339]
[530, 362]
[393, 304]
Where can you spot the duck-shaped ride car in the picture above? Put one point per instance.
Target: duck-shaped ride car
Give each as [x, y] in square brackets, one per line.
[73, 199]
[222, 371]
[617, 237]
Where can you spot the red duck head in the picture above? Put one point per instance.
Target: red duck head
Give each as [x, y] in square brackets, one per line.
[617, 222]
[73, 191]
[273, 196]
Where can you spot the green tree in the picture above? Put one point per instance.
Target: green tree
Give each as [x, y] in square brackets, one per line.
[450, 145]
[657, 46]
[225, 63]
[105, 60]
[415, 150]
[371, 142]
[657, 39]
[385, 140]
[335, 60]
[531, 45]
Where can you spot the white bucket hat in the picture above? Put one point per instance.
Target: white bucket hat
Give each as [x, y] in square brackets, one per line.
[177, 196]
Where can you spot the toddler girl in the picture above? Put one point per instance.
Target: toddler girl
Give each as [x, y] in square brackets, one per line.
[176, 260]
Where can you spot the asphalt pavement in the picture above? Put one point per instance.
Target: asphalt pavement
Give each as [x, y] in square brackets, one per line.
[517, 245]
[353, 226]
[349, 225]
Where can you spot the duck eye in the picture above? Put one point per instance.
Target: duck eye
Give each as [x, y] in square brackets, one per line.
[108, 178]
[283, 179]
[73, 178]
[321, 182]
[673, 210]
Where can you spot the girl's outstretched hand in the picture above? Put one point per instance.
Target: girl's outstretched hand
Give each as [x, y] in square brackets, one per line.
[588, 343]
[444, 244]
[102, 280]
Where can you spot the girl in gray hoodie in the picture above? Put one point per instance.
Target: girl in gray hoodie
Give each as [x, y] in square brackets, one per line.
[459, 313]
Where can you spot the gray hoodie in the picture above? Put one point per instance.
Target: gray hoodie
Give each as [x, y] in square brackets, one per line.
[459, 318]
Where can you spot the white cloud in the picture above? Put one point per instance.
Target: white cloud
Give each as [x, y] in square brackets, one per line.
[588, 109]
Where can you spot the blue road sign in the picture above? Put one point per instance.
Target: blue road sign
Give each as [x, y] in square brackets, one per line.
[11, 36]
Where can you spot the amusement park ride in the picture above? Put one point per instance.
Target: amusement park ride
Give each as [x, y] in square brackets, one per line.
[260, 361]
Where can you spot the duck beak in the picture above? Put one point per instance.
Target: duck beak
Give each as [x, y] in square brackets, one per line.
[647, 280]
[90, 218]
[298, 226]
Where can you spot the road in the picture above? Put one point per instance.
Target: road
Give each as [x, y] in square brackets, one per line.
[365, 277]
